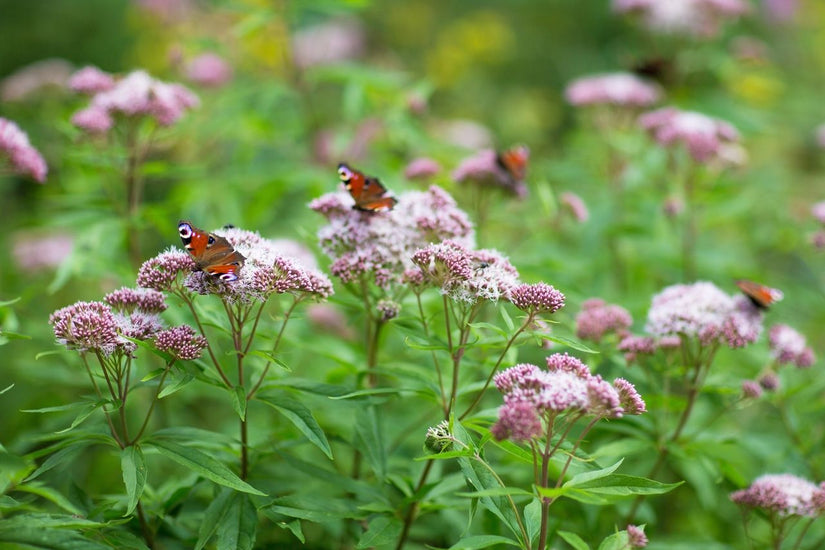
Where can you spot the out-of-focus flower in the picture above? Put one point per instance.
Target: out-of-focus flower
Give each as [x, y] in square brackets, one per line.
[380, 245]
[28, 80]
[23, 158]
[789, 347]
[421, 168]
[387, 309]
[136, 94]
[769, 381]
[532, 394]
[700, 18]
[819, 134]
[633, 346]
[818, 211]
[537, 298]
[91, 80]
[417, 103]
[487, 168]
[751, 389]
[597, 318]
[673, 207]
[266, 271]
[181, 342]
[783, 495]
[636, 537]
[466, 275]
[781, 10]
[86, 326]
[702, 311]
[209, 69]
[818, 239]
[703, 136]
[575, 205]
[327, 43]
[463, 133]
[40, 251]
[620, 89]
[748, 48]
[169, 11]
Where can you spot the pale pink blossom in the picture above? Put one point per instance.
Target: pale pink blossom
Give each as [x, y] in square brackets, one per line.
[421, 168]
[698, 18]
[789, 346]
[620, 89]
[751, 389]
[40, 251]
[636, 537]
[783, 495]
[575, 205]
[489, 168]
[818, 211]
[209, 69]
[329, 42]
[781, 10]
[21, 156]
[32, 78]
[94, 120]
[91, 80]
[703, 136]
[819, 134]
[598, 318]
[169, 11]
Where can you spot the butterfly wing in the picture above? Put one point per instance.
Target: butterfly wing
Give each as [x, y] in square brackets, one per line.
[212, 253]
[760, 295]
[369, 193]
[514, 162]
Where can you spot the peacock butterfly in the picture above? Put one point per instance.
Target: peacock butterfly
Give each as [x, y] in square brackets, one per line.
[760, 295]
[513, 162]
[212, 253]
[369, 193]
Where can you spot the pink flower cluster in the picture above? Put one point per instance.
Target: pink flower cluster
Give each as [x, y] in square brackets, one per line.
[209, 69]
[620, 89]
[35, 250]
[380, 245]
[23, 158]
[181, 342]
[421, 168]
[633, 346]
[471, 276]
[161, 272]
[783, 495]
[576, 206]
[136, 94]
[484, 168]
[532, 394]
[706, 139]
[701, 18]
[34, 78]
[789, 347]
[818, 212]
[537, 298]
[106, 327]
[598, 318]
[702, 311]
[636, 537]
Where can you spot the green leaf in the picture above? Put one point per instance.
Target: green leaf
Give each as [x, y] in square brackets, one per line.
[239, 401]
[382, 530]
[237, 527]
[532, 518]
[43, 531]
[213, 515]
[301, 417]
[507, 319]
[6, 389]
[65, 454]
[6, 303]
[133, 467]
[293, 527]
[616, 541]
[497, 492]
[569, 342]
[620, 484]
[586, 477]
[178, 382]
[84, 414]
[269, 356]
[13, 470]
[495, 328]
[482, 541]
[316, 509]
[47, 353]
[573, 540]
[447, 455]
[369, 439]
[203, 464]
[15, 335]
[418, 345]
[371, 391]
[51, 495]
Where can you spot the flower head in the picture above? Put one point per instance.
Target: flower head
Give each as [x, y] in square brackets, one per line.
[34, 251]
[136, 94]
[130, 299]
[704, 137]
[181, 342]
[379, 246]
[439, 438]
[209, 69]
[818, 210]
[629, 398]
[86, 326]
[91, 80]
[620, 89]
[636, 537]
[633, 346]
[35, 77]
[769, 381]
[751, 389]
[701, 310]
[160, 273]
[537, 298]
[782, 494]
[789, 347]
[699, 18]
[329, 42]
[422, 168]
[598, 318]
[576, 206]
[488, 167]
[23, 158]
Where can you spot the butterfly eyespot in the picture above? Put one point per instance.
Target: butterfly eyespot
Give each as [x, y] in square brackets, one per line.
[185, 231]
[228, 277]
[210, 241]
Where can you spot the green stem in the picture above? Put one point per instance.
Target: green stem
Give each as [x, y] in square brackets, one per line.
[212, 356]
[152, 404]
[100, 395]
[287, 314]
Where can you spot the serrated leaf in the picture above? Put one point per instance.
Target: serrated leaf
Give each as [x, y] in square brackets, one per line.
[14, 531]
[239, 401]
[317, 510]
[301, 417]
[203, 464]
[133, 467]
[573, 540]
[63, 455]
[382, 530]
[482, 541]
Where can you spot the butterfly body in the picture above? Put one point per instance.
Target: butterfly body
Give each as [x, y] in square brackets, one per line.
[760, 295]
[212, 253]
[369, 193]
[513, 162]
